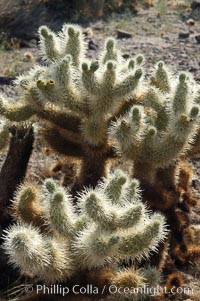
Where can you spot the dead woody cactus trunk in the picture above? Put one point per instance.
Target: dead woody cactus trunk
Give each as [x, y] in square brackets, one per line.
[12, 174]
[14, 167]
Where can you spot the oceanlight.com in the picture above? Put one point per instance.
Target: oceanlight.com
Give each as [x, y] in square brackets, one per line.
[89, 289]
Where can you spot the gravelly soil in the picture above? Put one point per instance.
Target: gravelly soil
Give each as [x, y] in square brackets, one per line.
[154, 36]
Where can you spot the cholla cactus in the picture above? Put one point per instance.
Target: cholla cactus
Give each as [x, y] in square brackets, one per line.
[77, 95]
[80, 98]
[162, 132]
[95, 110]
[111, 223]
[155, 136]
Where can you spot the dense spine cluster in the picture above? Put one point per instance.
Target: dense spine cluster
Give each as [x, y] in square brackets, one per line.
[78, 97]
[158, 136]
[109, 223]
[163, 128]
[81, 99]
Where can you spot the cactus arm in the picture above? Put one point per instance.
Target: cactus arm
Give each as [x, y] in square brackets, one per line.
[113, 187]
[26, 205]
[110, 52]
[61, 214]
[180, 103]
[27, 248]
[161, 78]
[61, 265]
[109, 77]
[97, 209]
[194, 147]
[132, 244]
[177, 140]
[62, 119]
[16, 112]
[155, 100]
[48, 44]
[131, 216]
[89, 78]
[93, 248]
[74, 45]
[25, 112]
[127, 85]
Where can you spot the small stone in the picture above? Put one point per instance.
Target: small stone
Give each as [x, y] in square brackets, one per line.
[92, 45]
[198, 38]
[126, 56]
[196, 184]
[88, 32]
[195, 4]
[188, 10]
[123, 34]
[191, 22]
[193, 69]
[183, 35]
[33, 43]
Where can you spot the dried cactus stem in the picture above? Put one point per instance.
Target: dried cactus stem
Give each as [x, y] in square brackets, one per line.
[14, 167]
[11, 175]
[61, 144]
[93, 166]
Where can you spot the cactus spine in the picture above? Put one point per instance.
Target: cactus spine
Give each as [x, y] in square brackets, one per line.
[97, 110]
[77, 96]
[104, 230]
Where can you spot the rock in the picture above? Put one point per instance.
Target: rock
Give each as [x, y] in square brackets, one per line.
[196, 184]
[126, 56]
[92, 45]
[198, 38]
[193, 69]
[6, 80]
[195, 4]
[183, 35]
[88, 32]
[191, 22]
[123, 34]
